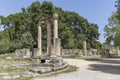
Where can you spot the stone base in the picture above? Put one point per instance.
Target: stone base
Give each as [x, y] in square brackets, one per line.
[42, 70]
[53, 56]
[50, 64]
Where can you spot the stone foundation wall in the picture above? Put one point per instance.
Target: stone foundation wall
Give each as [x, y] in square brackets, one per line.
[91, 52]
[77, 52]
[22, 53]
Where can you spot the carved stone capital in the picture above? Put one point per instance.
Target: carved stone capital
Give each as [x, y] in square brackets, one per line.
[55, 15]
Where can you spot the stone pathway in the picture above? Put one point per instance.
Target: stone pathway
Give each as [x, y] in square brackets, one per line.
[90, 70]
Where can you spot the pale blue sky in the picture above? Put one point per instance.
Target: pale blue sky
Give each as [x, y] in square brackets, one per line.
[95, 11]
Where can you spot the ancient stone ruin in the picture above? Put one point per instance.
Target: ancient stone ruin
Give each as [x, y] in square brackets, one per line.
[22, 54]
[52, 50]
[53, 57]
[52, 60]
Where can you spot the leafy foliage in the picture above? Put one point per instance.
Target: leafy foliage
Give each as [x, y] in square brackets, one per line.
[20, 29]
[112, 30]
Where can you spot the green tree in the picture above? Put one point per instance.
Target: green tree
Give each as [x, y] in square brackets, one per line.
[20, 29]
[112, 29]
[117, 5]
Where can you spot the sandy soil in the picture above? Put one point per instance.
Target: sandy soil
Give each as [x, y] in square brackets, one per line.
[90, 70]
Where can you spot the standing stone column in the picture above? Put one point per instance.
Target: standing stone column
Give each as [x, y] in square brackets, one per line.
[84, 48]
[39, 40]
[58, 48]
[55, 16]
[117, 50]
[48, 37]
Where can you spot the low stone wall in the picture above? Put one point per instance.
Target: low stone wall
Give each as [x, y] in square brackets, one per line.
[22, 53]
[78, 52]
[25, 53]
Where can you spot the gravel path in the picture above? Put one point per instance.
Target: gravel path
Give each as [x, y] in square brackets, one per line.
[90, 70]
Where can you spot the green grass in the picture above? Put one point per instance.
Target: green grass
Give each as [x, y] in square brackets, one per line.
[7, 55]
[23, 78]
[12, 61]
[9, 70]
[2, 57]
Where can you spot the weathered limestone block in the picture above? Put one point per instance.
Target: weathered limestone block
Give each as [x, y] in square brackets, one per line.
[52, 51]
[22, 53]
[35, 53]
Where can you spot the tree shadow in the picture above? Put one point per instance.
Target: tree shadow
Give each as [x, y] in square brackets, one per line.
[115, 61]
[112, 69]
[111, 61]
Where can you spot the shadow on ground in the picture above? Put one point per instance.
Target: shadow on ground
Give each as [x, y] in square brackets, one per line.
[117, 61]
[112, 69]
[112, 61]
[107, 66]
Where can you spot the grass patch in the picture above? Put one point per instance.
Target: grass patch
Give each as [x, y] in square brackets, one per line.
[3, 56]
[16, 70]
[23, 78]
[5, 62]
[12, 61]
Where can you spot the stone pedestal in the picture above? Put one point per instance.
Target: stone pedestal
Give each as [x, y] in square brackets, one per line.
[53, 51]
[117, 50]
[58, 49]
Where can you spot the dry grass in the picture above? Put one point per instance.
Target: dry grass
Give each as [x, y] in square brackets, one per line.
[4, 62]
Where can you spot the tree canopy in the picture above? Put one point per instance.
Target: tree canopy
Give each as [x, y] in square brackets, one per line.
[112, 29]
[20, 29]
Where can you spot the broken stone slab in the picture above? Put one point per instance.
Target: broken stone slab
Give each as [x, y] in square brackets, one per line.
[25, 65]
[44, 71]
[35, 74]
[41, 70]
[26, 75]
[60, 67]
[15, 76]
[28, 72]
[6, 77]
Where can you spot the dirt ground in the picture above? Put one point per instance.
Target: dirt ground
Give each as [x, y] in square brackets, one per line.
[108, 69]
